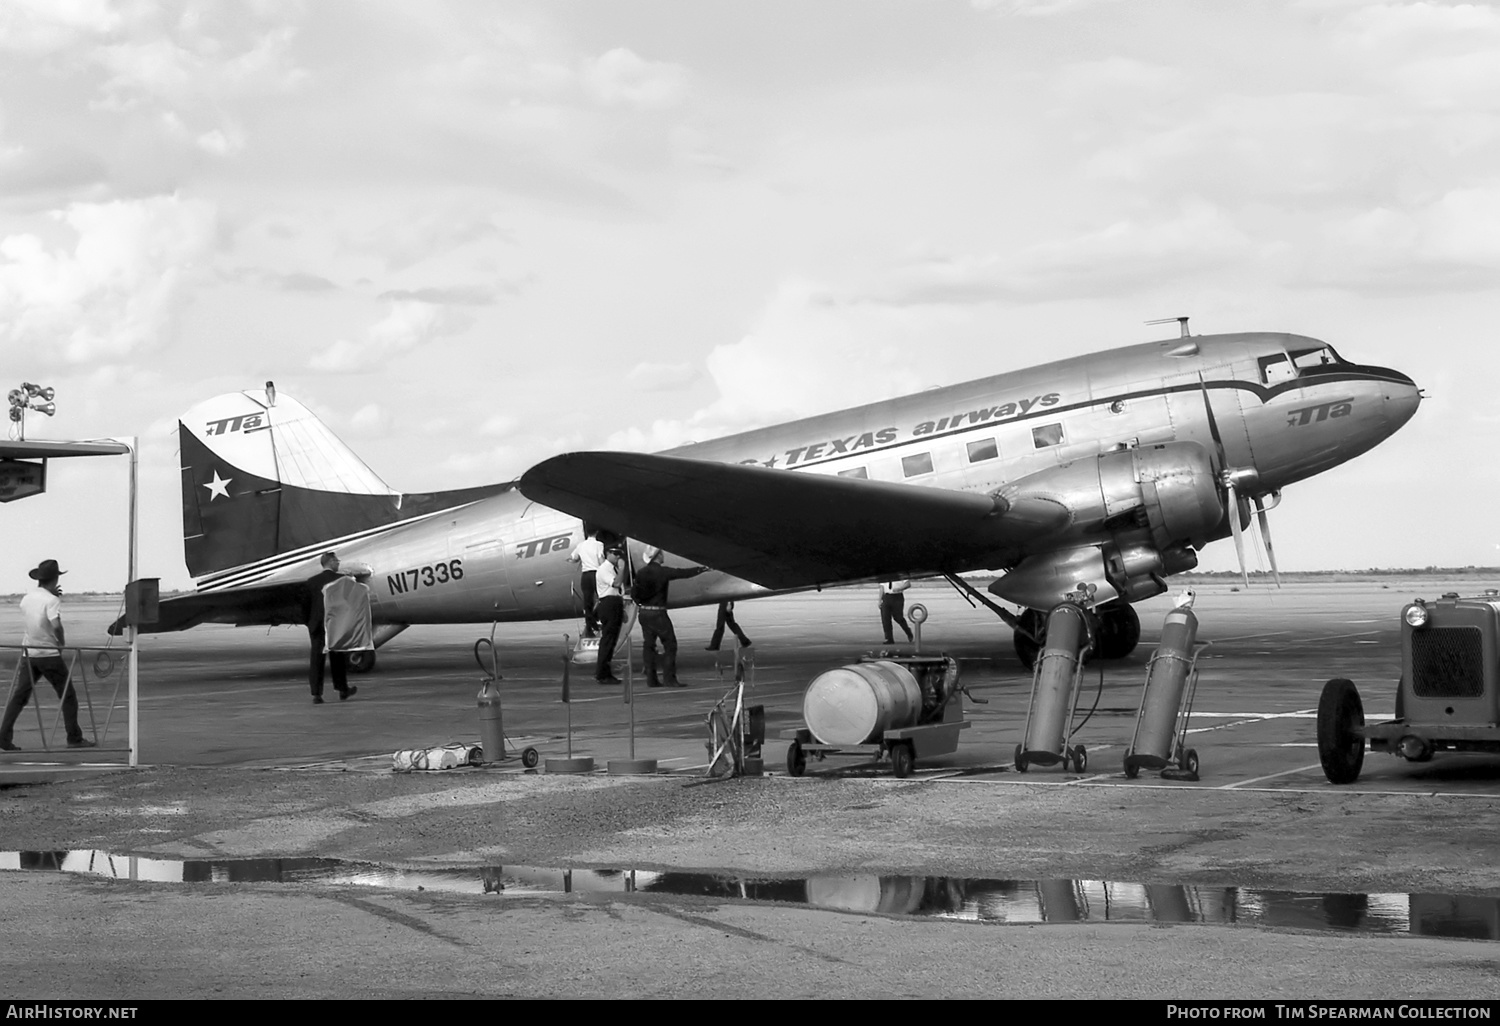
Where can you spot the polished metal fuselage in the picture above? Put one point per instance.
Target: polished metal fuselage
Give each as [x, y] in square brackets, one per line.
[505, 558]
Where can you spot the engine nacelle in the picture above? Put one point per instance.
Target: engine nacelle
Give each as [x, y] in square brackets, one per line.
[1168, 489]
[1138, 515]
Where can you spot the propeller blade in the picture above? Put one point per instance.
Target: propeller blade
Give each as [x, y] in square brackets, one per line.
[1236, 530]
[1265, 536]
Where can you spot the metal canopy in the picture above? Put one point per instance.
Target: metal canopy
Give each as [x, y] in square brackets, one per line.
[30, 450]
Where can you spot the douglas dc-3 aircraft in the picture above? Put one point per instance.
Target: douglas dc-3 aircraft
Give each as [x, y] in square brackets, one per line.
[1111, 469]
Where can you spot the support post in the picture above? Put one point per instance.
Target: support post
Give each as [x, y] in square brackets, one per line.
[135, 650]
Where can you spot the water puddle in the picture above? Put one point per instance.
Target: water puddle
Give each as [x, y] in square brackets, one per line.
[951, 898]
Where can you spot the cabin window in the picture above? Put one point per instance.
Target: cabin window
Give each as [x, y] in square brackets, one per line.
[1047, 434]
[1276, 367]
[859, 472]
[984, 449]
[921, 463]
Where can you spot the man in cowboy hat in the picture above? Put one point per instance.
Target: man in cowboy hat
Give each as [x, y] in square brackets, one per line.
[41, 611]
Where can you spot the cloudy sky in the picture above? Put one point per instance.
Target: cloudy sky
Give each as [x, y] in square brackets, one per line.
[474, 234]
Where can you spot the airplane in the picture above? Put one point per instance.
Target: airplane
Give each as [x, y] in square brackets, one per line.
[1111, 469]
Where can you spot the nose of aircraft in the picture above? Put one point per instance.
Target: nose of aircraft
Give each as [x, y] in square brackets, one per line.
[1402, 397]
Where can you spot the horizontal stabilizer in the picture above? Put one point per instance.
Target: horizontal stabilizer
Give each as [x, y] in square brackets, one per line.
[782, 529]
[268, 604]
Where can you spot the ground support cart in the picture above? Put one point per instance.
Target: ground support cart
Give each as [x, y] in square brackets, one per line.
[1146, 750]
[936, 732]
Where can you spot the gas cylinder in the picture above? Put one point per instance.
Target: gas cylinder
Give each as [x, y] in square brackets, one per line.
[1052, 695]
[1156, 727]
[491, 722]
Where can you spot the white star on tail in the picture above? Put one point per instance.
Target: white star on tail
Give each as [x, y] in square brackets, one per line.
[218, 486]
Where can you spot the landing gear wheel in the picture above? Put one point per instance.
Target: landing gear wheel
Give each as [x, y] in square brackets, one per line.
[1081, 759]
[1190, 761]
[530, 757]
[1119, 631]
[1027, 649]
[362, 661]
[1132, 768]
[902, 759]
[1341, 741]
[796, 761]
[1021, 762]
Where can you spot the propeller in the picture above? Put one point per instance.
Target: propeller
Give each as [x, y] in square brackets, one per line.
[1265, 530]
[1241, 484]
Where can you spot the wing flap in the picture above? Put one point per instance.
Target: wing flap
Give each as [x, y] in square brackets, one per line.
[782, 529]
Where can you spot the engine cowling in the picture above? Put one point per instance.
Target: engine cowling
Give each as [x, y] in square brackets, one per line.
[1168, 489]
[1138, 515]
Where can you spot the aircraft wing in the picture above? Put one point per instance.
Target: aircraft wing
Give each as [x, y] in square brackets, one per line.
[276, 603]
[782, 529]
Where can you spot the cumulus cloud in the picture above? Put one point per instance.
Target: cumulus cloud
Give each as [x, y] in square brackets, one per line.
[621, 78]
[116, 291]
[42, 26]
[1451, 243]
[811, 350]
[461, 295]
[408, 326]
[1125, 254]
[660, 377]
[371, 419]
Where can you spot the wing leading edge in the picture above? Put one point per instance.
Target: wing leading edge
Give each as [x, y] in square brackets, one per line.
[787, 530]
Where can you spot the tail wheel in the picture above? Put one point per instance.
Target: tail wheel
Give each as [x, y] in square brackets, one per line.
[1341, 740]
[1081, 759]
[1132, 768]
[1190, 761]
[362, 661]
[530, 757]
[1021, 762]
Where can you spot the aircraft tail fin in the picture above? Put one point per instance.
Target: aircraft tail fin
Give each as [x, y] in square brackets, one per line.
[263, 477]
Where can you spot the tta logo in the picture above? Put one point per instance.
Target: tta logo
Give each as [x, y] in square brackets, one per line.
[1323, 411]
[245, 421]
[539, 546]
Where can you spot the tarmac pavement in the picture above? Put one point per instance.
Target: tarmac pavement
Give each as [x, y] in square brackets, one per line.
[242, 764]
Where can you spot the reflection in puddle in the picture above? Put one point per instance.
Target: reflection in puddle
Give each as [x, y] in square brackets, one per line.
[953, 898]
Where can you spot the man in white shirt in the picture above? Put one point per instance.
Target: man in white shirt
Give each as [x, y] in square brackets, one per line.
[611, 612]
[41, 612]
[893, 607]
[589, 555]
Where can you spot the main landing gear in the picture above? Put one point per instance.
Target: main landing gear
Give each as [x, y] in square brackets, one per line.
[1119, 633]
[1119, 628]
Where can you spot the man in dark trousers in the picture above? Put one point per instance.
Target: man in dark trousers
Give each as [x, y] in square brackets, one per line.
[347, 624]
[726, 619]
[41, 656]
[650, 594]
[313, 614]
[610, 611]
[892, 608]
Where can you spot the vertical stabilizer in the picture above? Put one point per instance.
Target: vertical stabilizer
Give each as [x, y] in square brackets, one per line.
[259, 480]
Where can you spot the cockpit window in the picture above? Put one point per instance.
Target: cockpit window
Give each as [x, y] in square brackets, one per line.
[1314, 359]
[1285, 366]
[1276, 367]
